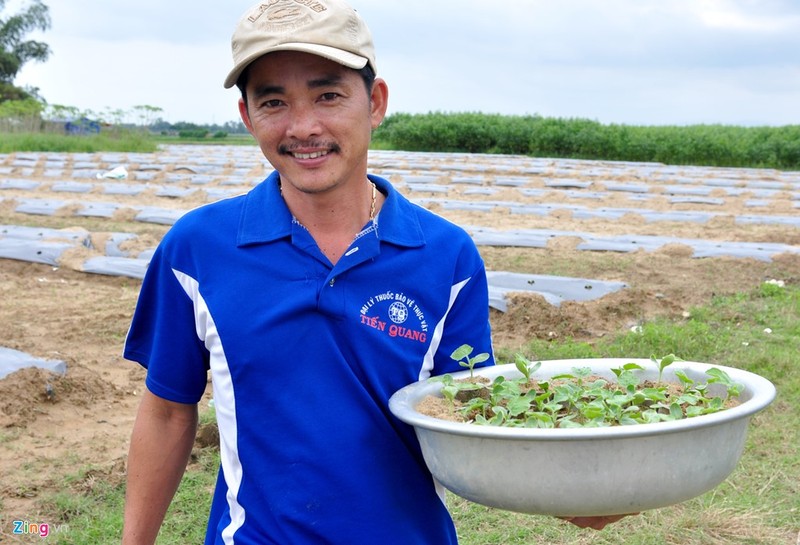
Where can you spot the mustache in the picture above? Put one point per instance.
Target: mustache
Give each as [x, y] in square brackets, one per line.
[286, 149]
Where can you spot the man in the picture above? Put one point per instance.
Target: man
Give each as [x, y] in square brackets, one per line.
[310, 300]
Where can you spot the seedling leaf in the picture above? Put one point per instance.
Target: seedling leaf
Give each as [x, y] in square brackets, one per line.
[480, 358]
[684, 378]
[665, 362]
[521, 364]
[461, 352]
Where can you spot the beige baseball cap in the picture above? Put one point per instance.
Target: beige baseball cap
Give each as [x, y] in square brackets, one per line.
[328, 28]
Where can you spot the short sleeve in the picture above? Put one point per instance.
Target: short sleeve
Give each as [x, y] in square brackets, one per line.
[163, 335]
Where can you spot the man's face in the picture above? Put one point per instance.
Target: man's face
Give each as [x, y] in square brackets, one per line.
[312, 118]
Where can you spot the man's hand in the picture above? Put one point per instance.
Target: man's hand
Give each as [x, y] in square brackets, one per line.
[596, 523]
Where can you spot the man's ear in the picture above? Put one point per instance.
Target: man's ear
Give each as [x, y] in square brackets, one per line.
[379, 101]
[245, 115]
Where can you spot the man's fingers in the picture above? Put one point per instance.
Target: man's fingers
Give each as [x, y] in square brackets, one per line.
[596, 523]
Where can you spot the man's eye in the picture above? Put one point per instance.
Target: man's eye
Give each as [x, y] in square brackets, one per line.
[274, 103]
[329, 96]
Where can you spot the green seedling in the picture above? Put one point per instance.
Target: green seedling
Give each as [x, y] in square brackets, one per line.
[462, 356]
[525, 367]
[449, 387]
[580, 399]
[719, 376]
[663, 363]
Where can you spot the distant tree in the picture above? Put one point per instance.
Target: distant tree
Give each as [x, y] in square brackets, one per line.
[147, 114]
[113, 116]
[234, 127]
[61, 112]
[15, 50]
[10, 92]
[20, 115]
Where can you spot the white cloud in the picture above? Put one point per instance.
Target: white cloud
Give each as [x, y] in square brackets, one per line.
[184, 80]
[748, 16]
[624, 61]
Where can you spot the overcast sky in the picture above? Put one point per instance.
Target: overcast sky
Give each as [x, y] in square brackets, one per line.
[651, 62]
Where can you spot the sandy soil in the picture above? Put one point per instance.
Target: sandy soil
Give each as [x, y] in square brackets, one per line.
[51, 427]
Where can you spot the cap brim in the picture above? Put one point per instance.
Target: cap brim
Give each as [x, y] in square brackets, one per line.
[351, 60]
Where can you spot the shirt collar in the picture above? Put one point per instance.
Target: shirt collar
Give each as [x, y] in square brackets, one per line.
[266, 218]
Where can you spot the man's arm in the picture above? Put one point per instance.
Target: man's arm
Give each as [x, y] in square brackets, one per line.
[161, 444]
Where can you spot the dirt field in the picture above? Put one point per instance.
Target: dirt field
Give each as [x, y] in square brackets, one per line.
[50, 427]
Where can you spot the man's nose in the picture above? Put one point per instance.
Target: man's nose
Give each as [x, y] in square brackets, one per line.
[303, 122]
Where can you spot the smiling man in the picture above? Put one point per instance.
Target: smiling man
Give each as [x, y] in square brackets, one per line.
[313, 118]
[309, 302]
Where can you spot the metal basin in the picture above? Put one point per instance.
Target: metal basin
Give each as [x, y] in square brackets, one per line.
[585, 471]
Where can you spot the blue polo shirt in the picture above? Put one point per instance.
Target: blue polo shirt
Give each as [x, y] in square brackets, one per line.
[303, 357]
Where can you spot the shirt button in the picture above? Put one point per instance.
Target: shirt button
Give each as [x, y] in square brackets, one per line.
[333, 281]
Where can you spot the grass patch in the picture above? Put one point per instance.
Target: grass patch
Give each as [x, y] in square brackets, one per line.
[128, 141]
[474, 132]
[112, 140]
[230, 139]
[758, 504]
[88, 508]
[691, 523]
[537, 136]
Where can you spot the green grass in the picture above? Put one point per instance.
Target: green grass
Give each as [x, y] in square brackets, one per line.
[127, 141]
[112, 140]
[229, 140]
[758, 504]
[89, 508]
[475, 132]
[538, 136]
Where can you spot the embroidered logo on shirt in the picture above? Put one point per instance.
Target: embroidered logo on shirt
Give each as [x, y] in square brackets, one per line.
[396, 315]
